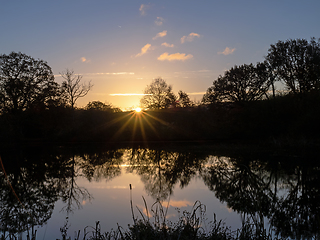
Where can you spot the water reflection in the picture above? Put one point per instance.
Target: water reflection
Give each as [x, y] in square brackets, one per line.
[278, 190]
[161, 170]
[30, 185]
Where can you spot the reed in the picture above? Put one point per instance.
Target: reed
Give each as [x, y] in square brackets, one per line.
[191, 225]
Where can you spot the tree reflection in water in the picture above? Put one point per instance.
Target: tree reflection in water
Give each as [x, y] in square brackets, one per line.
[37, 179]
[102, 165]
[279, 190]
[288, 195]
[29, 191]
[160, 170]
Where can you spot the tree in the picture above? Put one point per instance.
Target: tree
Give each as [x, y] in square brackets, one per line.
[73, 88]
[240, 84]
[97, 105]
[184, 100]
[296, 63]
[209, 97]
[25, 82]
[158, 95]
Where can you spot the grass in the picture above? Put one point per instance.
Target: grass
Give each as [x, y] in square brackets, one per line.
[191, 225]
[154, 224]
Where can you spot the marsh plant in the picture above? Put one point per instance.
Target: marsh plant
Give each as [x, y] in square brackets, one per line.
[152, 223]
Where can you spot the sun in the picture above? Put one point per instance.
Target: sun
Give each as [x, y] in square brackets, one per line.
[137, 110]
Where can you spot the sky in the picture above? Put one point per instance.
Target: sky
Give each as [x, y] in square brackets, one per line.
[121, 46]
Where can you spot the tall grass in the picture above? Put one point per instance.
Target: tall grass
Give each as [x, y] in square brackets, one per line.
[153, 223]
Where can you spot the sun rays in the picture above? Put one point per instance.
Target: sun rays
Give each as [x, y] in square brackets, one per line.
[135, 125]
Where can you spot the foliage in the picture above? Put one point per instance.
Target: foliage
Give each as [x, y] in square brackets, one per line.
[158, 95]
[190, 226]
[25, 83]
[240, 84]
[184, 100]
[97, 105]
[296, 62]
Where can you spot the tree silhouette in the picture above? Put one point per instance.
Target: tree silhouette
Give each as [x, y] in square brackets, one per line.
[184, 100]
[73, 88]
[158, 95]
[296, 62]
[240, 84]
[25, 82]
[209, 97]
[97, 105]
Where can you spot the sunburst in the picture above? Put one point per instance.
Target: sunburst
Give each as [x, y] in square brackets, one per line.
[137, 110]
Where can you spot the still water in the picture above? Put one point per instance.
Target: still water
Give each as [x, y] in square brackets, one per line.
[72, 188]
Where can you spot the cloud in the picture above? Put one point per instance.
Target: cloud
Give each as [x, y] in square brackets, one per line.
[83, 59]
[128, 94]
[160, 34]
[190, 37]
[159, 21]
[174, 57]
[143, 9]
[196, 93]
[111, 73]
[144, 49]
[227, 51]
[102, 73]
[167, 44]
[178, 204]
[196, 71]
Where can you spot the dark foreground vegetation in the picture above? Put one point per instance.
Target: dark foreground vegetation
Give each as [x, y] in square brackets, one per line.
[191, 225]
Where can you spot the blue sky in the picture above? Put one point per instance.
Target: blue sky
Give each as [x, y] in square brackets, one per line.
[122, 45]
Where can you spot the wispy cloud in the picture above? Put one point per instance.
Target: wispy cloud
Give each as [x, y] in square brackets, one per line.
[227, 51]
[196, 71]
[112, 73]
[167, 44]
[174, 57]
[160, 34]
[189, 38]
[159, 21]
[196, 93]
[105, 73]
[144, 49]
[83, 59]
[128, 94]
[143, 8]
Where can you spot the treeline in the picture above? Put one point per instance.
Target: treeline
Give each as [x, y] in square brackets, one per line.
[242, 104]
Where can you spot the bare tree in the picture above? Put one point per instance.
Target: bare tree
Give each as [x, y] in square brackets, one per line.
[158, 95]
[73, 88]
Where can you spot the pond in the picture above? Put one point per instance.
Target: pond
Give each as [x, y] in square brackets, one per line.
[67, 189]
